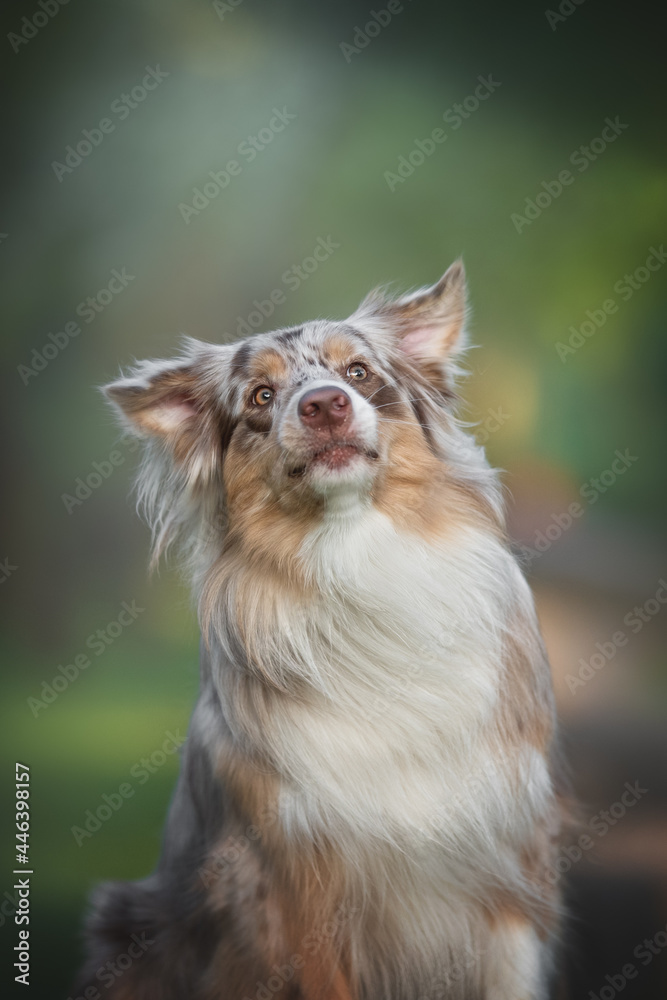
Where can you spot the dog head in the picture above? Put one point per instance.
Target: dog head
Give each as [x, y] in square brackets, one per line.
[276, 429]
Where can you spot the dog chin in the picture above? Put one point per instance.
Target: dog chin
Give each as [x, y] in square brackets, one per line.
[340, 465]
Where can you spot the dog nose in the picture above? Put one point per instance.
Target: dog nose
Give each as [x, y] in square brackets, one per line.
[326, 406]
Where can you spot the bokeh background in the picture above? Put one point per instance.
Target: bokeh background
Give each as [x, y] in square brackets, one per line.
[553, 420]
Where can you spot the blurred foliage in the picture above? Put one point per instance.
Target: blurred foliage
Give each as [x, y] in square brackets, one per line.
[323, 176]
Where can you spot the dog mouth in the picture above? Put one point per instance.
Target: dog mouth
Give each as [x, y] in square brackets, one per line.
[334, 455]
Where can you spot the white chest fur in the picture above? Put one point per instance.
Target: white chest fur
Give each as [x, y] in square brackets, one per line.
[403, 655]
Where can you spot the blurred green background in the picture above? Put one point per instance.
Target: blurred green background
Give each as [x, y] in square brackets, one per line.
[552, 420]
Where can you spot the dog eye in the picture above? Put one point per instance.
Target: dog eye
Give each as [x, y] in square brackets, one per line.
[357, 372]
[263, 395]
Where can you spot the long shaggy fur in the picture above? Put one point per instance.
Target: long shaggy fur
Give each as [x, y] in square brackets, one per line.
[369, 800]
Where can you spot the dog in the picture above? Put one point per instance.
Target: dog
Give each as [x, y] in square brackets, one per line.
[370, 799]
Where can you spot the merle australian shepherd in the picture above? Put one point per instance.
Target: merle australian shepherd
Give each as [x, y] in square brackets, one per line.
[368, 806]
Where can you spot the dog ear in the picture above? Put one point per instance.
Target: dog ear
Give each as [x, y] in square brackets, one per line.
[427, 325]
[179, 409]
[431, 322]
[178, 404]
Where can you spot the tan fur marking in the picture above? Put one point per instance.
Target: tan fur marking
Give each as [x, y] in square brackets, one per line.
[418, 493]
[282, 907]
[525, 713]
[316, 984]
[269, 364]
[340, 350]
